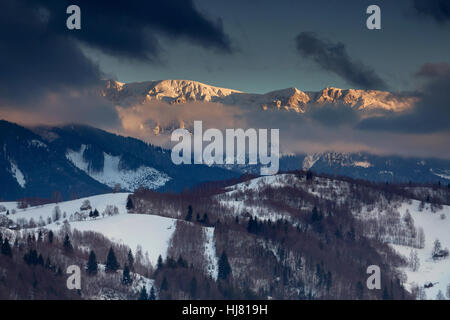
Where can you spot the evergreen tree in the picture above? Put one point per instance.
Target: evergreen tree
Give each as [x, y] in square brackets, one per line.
[159, 264]
[152, 295]
[385, 294]
[252, 225]
[31, 240]
[31, 257]
[130, 260]
[205, 219]
[95, 214]
[189, 214]
[111, 262]
[40, 260]
[359, 290]
[193, 288]
[39, 236]
[50, 236]
[437, 247]
[329, 281]
[6, 248]
[143, 295]
[316, 216]
[164, 285]
[67, 245]
[224, 267]
[126, 277]
[92, 266]
[170, 262]
[181, 263]
[130, 205]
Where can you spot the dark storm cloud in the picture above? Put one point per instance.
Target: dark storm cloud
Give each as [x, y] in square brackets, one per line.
[430, 115]
[129, 28]
[333, 57]
[439, 10]
[431, 70]
[35, 60]
[42, 63]
[334, 115]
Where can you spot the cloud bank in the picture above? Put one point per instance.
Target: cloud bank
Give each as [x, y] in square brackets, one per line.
[45, 75]
[333, 57]
[439, 10]
[430, 115]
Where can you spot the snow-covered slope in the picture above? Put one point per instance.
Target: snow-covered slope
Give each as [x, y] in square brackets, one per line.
[152, 233]
[434, 220]
[17, 174]
[112, 174]
[99, 202]
[436, 226]
[212, 265]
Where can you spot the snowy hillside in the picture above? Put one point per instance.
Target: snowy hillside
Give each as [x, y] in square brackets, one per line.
[292, 222]
[17, 174]
[152, 233]
[111, 174]
[436, 225]
[433, 220]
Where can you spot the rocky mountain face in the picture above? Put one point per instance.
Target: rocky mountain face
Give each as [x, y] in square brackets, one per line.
[293, 99]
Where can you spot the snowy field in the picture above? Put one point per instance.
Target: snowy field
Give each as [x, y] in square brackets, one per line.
[151, 232]
[212, 265]
[436, 272]
[97, 202]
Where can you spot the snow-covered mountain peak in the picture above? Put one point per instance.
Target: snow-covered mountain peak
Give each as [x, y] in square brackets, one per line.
[183, 91]
[170, 91]
[363, 99]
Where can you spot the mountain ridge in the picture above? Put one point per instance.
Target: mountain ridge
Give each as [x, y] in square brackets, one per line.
[293, 99]
[80, 160]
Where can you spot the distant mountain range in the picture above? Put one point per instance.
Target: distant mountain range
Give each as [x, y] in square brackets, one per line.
[182, 91]
[77, 160]
[373, 167]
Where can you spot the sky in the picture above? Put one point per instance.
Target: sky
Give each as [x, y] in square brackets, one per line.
[52, 75]
[265, 58]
